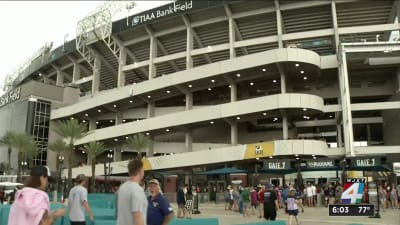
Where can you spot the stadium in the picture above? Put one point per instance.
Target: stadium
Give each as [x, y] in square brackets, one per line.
[270, 87]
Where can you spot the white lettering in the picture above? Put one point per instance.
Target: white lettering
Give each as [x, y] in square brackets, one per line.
[10, 96]
[365, 162]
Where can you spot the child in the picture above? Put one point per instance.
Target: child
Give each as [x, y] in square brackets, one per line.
[292, 206]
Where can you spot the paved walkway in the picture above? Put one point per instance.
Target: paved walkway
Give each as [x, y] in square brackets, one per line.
[311, 216]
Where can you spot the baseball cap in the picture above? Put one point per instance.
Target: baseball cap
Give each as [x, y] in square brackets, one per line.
[154, 181]
[80, 177]
[41, 171]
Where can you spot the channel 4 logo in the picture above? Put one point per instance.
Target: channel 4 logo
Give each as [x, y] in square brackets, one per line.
[353, 191]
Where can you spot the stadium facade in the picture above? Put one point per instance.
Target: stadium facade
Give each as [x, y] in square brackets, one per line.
[231, 83]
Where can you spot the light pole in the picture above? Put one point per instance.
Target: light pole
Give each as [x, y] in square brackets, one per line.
[129, 6]
[109, 159]
[60, 166]
[24, 164]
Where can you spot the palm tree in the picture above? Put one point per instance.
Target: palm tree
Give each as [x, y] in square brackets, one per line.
[139, 142]
[59, 147]
[26, 147]
[93, 149]
[6, 140]
[71, 130]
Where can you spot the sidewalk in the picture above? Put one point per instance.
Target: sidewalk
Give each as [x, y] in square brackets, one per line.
[311, 216]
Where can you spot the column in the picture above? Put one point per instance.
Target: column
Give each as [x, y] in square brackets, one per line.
[339, 136]
[76, 74]
[398, 77]
[335, 25]
[232, 53]
[282, 78]
[150, 148]
[233, 91]
[118, 117]
[117, 153]
[234, 133]
[189, 101]
[96, 75]
[189, 47]
[279, 24]
[150, 109]
[153, 54]
[345, 103]
[60, 78]
[285, 125]
[368, 134]
[121, 63]
[188, 140]
[92, 124]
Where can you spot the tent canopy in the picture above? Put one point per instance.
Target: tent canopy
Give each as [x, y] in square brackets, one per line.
[225, 170]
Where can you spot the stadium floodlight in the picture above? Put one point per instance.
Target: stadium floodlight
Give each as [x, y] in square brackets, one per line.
[129, 6]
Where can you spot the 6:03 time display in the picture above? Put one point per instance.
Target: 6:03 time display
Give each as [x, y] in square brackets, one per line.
[351, 210]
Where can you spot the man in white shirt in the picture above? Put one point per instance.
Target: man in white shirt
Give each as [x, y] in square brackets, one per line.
[131, 199]
[77, 202]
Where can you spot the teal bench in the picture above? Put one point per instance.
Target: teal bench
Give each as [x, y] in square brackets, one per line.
[104, 222]
[199, 221]
[277, 222]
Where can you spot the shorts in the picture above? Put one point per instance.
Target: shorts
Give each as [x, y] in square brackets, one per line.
[294, 212]
[245, 205]
[181, 206]
[78, 223]
[268, 215]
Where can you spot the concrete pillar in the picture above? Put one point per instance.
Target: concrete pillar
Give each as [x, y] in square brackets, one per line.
[117, 153]
[368, 134]
[335, 25]
[279, 24]
[150, 148]
[188, 140]
[76, 74]
[189, 101]
[60, 78]
[153, 54]
[96, 75]
[233, 92]
[339, 136]
[282, 78]
[234, 133]
[189, 47]
[118, 117]
[345, 103]
[232, 53]
[398, 77]
[121, 63]
[150, 109]
[92, 124]
[285, 127]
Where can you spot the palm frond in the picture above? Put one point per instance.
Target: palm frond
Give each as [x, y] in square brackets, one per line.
[93, 149]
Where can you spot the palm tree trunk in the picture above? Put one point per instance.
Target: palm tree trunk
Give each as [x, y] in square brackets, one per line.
[93, 175]
[19, 172]
[70, 153]
[9, 160]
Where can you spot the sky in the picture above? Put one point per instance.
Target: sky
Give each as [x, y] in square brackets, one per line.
[28, 25]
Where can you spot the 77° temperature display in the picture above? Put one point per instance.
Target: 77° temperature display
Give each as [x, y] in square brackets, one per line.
[351, 210]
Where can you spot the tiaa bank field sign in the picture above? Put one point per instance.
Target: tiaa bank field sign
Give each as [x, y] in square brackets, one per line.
[173, 8]
[10, 97]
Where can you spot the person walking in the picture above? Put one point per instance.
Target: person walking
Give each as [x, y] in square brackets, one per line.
[32, 204]
[254, 200]
[78, 203]
[159, 210]
[189, 203]
[132, 201]
[393, 197]
[261, 198]
[270, 203]
[180, 200]
[246, 201]
[292, 207]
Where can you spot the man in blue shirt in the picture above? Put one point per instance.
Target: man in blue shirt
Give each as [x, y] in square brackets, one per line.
[159, 211]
